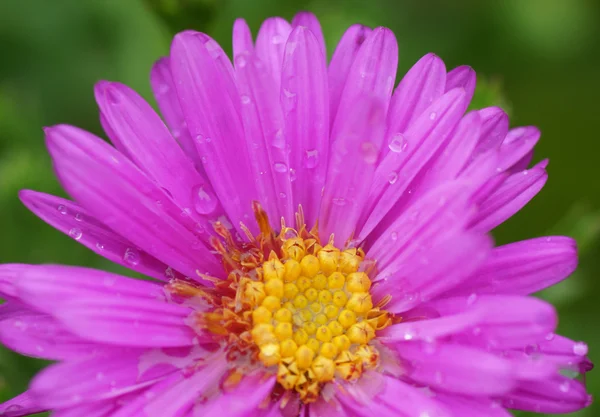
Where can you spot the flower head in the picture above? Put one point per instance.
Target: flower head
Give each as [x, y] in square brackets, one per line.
[318, 242]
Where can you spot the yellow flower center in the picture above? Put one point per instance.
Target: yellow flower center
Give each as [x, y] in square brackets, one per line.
[305, 312]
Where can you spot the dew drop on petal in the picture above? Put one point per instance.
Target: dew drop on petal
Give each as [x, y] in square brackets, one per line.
[394, 236]
[78, 217]
[205, 201]
[62, 209]
[282, 195]
[565, 386]
[240, 61]
[292, 175]
[99, 246]
[75, 233]
[398, 143]
[280, 167]
[339, 201]
[472, 298]
[369, 152]
[311, 158]
[392, 178]
[580, 349]
[432, 116]
[245, 99]
[550, 336]
[278, 140]
[131, 256]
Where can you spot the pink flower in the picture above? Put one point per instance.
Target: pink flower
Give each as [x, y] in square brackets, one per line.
[318, 242]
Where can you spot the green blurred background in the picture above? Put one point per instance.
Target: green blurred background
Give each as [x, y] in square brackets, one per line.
[540, 59]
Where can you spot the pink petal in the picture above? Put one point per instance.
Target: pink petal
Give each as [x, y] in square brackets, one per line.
[242, 38]
[211, 106]
[22, 405]
[494, 130]
[523, 267]
[396, 172]
[509, 198]
[304, 98]
[165, 92]
[423, 84]
[116, 193]
[72, 219]
[310, 21]
[464, 77]
[341, 62]
[267, 148]
[517, 145]
[270, 44]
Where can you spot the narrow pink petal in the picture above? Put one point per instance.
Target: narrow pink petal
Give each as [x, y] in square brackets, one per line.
[73, 220]
[341, 61]
[242, 401]
[153, 149]
[523, 267]
[116, 193]
[509, 198]
[464, 77]
[128, 321]
[557, 395]
[45, 287]
[211, 106]
[304, 98]
[267, 147]
[568, 353]
[459, 369]
[448, 163]
[372, 73]
[494, 129]
[440, 213]
[270, 44]
[517, 145]
[310, 21]
[22, 405]
[347, 185]
[39, 335]
[398, 169]
[431, 271]
[242, 38]
[464, 406]
[423, 84]
[76, 382]
[165, 92]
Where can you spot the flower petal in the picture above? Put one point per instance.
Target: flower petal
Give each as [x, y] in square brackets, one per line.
[340, 64]
[211, 106]
[494, 130]
[464, 77]
[423, 84]
[398, 169]
[243, 400]
[310, 21]
[39, 335]
[73, 220]
[165, 92]
[509, 198]
[270, 44]
[22, 405]
[304, 98]
[116, 193]
[242, 38]
[77, 382]
[518, 144]
[267, 147]
[523, 267]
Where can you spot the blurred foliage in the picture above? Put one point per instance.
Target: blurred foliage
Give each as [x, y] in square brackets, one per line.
[538, 58]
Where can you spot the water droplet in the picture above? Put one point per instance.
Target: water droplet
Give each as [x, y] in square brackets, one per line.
[432, 116]
[369, 152]
[394, 236]
[398, 143]
[565, 386]
[79, 217]
[282, 195]
[278, 140]
[311, 158]
[339, 201]
[526, 172]
[163, 88]
[14, 407]
[61, 209]
[408, 334]
[99, 246]
[280, 167]
[75, 233]
[240, 61]
[245, 99]
[109, 280]
[205, 201]
[131, 256]
[292, 175]
[277, 39]
[580, 349]
[550, 336]
[392, 178]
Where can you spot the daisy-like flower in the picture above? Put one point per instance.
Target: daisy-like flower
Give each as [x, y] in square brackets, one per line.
[319, 244]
